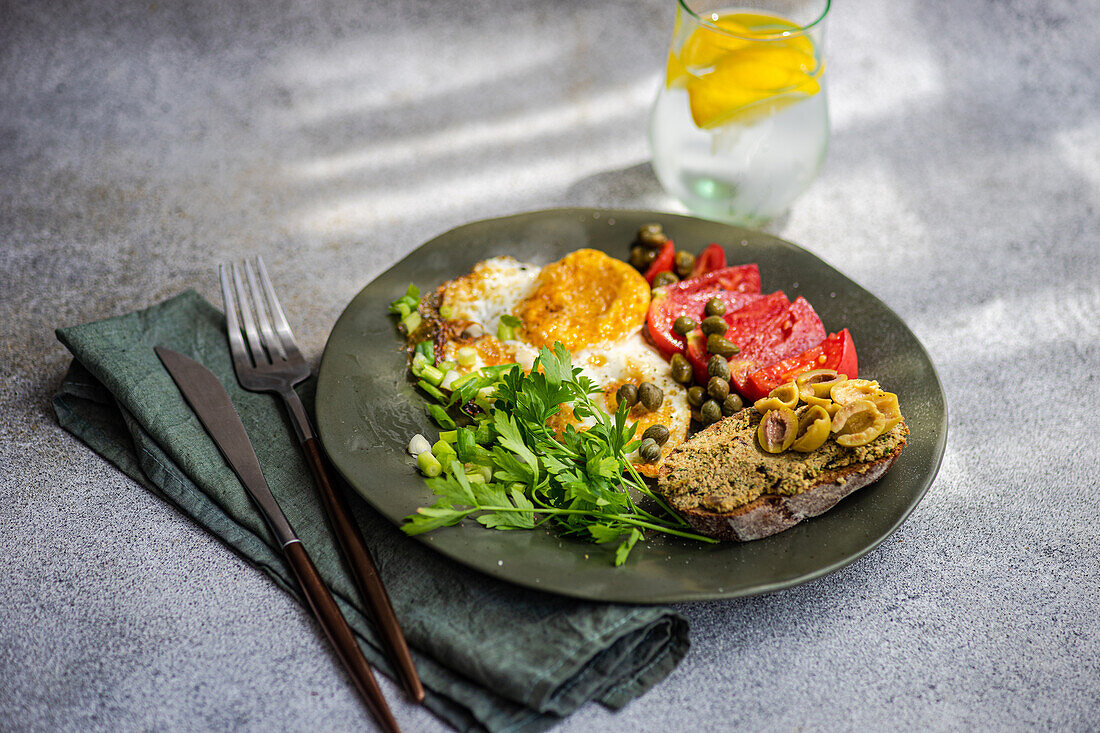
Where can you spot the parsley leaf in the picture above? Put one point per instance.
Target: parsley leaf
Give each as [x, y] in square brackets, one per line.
[509, 469]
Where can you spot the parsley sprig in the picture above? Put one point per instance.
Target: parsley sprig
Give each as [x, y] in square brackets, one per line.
[510, 470]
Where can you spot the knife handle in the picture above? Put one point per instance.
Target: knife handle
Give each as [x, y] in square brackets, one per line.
[339, 633]
[364, 570]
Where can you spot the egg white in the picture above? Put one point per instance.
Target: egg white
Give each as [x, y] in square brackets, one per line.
[495, 287]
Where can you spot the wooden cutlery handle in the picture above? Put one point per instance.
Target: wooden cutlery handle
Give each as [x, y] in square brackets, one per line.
[339, 633]
[363, 569]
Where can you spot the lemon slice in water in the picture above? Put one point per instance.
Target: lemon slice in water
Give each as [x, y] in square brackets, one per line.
[745, 71]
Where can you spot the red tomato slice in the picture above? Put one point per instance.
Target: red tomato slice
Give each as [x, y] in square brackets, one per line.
[662, 263]
[741, 325]
[796, 329]
[745, 278]
[735, 286]
[710, 259]
[838, 352]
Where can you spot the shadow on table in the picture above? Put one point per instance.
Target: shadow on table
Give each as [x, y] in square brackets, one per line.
[637, 187]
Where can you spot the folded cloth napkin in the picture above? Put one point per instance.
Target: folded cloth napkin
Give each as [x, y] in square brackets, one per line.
[492, 655]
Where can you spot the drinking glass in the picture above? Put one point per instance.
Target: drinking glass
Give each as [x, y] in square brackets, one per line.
[741, 124]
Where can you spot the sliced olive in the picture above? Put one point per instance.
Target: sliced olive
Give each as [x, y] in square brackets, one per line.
[777, 430]
[649, 451]
[661, 279]
[813, 429]
[857, 423]
[657, 433]
[722, 346]
[806, 394]
[851, 390]
[711, 412]
[684, 325]
[718, 388]
[683, 262]
[887, 404]
[696, 396]
[715, 307]
[717, 366]
[785, 395]
[627, 395]
[820, 381]
[650, 395]
[652, 236]
[732, 404]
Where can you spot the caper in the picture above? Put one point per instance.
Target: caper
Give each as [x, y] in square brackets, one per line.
[652, 236]
[711, 412]
[717, 366]
[662, 279]
[715, 307]
[682, 372]
[650, 395]
[627, 395]
[656, 432]
[649, 451]
[684, 325]
[777, 430]
[732, 404]
[718, 388]
[714, 324]
[696, 395]
[683, 263]
[722, 346]
[641, 257]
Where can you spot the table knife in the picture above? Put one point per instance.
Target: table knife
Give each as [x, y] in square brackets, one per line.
[207, 397]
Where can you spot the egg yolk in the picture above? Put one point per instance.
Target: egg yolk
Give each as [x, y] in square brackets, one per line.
[584, 299]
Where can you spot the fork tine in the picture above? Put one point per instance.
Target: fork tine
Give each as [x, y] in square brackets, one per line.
[272, 343]
[250, 331]
[232, 324]
[281, 324]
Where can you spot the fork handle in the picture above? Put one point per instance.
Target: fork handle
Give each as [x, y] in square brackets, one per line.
[364, 570]
[339, 633]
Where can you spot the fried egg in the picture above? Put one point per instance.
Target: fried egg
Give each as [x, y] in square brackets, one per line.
[594, 304]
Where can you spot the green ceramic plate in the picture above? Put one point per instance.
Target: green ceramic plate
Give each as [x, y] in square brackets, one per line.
[367, 412]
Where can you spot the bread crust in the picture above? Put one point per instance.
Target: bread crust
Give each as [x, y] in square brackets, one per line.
[703, 477]
[772, 513]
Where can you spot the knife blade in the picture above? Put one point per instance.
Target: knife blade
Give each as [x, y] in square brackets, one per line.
[210, 402]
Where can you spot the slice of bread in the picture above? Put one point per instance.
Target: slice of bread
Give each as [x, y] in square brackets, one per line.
[726, 487]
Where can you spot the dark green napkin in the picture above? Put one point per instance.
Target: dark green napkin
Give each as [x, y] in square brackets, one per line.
[492, 655]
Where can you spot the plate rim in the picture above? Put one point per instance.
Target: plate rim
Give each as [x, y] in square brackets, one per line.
[324, 376]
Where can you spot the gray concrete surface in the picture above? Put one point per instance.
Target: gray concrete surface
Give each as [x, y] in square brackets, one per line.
[143, 143]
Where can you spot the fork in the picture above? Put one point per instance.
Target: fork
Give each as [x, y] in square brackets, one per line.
[266, 359]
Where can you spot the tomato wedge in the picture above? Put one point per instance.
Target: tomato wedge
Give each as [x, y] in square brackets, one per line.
[663, 261]
[735, 286]
[794, 330]
[712, 258]
[838, 352]
[741, 325]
